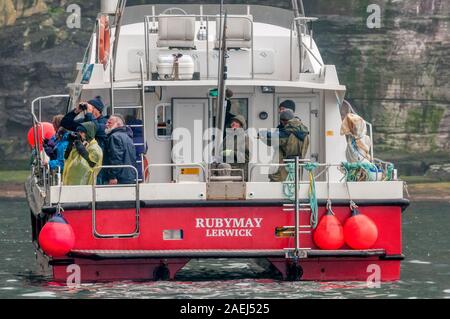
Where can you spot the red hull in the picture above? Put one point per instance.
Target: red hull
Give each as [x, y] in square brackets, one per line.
[223, 228]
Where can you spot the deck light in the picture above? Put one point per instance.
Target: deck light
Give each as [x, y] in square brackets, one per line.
[268, 89]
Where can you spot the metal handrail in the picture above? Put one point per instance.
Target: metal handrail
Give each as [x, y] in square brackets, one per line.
[230, 170]
[199, 165]
[36, 121]
[136, 231]
[301, 19]
[141, 68]
[327, 166]
[207, 17]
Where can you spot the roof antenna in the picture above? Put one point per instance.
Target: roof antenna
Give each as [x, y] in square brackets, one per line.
[298, 24]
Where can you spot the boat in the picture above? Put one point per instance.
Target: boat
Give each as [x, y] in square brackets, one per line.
[167, 67]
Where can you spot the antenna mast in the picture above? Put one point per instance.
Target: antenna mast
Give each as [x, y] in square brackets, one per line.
[221, 85]
[298, 24]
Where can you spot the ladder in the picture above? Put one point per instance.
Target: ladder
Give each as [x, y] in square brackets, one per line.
[140, 108]
[297, 208]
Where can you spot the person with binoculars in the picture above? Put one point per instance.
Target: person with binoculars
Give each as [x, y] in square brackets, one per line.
[90, 111]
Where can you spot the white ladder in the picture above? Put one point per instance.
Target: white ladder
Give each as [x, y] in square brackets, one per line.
[297, 207]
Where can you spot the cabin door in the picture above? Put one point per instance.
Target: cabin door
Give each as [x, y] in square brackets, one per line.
[190, 121]
[307, 109]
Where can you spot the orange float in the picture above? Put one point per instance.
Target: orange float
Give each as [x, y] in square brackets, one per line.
[45, 131]
[329, 234]
[104, 45]
[360, 232]
[56, 238]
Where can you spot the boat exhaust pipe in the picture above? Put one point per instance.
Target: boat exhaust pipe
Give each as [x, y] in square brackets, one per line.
[108, 6]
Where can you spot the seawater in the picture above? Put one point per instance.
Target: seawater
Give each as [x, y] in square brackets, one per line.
[425, 272]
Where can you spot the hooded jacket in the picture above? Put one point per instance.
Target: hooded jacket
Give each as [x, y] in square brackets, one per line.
[120, 151]
[61, 143]
[82, 159]
[293, 141]
[70, 124]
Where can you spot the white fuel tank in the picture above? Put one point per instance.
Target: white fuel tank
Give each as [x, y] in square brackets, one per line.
[167, 67]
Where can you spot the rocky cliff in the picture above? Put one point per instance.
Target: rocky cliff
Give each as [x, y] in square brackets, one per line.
[397, 76]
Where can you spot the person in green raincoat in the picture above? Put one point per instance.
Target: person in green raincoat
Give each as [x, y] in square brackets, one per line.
[293, 141]
[83, 156]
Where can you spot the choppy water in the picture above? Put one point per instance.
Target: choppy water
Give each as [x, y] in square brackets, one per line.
[425, 272]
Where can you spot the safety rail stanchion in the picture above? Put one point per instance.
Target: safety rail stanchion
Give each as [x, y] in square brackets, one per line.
[136, 231]
[297, 211]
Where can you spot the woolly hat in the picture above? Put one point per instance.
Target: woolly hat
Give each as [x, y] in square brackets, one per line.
[97, 103]
[288, 104]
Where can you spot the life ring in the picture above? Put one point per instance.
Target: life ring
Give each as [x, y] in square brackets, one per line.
[104, 44]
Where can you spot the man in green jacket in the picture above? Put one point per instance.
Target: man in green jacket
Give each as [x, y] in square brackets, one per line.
[293, 141]
[235, 146]
[83, 156]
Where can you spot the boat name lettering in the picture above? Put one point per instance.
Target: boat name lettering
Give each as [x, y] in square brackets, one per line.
[228, 227]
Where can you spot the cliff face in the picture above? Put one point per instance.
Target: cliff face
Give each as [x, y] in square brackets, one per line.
[397, 76]
[37, 53]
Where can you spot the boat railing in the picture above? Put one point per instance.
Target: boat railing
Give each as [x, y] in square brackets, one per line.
[322, 167]
[175, 165]
[151, 26]
[39, 169]
[226, 175]
[95, 186]
[151, 20]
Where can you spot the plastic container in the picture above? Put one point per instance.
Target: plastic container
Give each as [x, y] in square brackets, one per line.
[375, 174]
[166, 67]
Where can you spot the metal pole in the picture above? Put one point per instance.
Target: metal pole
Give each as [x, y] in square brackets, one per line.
[117, 35]
[297, 210]
[298, 24]
[220, 39]
[207, 47]
[147, 53]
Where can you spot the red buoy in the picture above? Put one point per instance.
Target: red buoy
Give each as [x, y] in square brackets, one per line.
[56, 238]
[329, 234]
[45, 130]
[360, 232]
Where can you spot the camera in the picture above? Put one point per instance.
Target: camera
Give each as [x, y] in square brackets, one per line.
[73, 136]
[83, 106]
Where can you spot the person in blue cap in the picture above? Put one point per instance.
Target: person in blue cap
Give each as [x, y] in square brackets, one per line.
[92, 112]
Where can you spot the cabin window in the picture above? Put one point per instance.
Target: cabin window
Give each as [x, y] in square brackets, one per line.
[163, 121]
[239, 106]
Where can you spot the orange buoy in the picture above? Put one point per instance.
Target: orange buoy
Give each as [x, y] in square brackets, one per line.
[360, 232]
[44, 130]
[56, 238]
[329, 234]
[104, 40]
